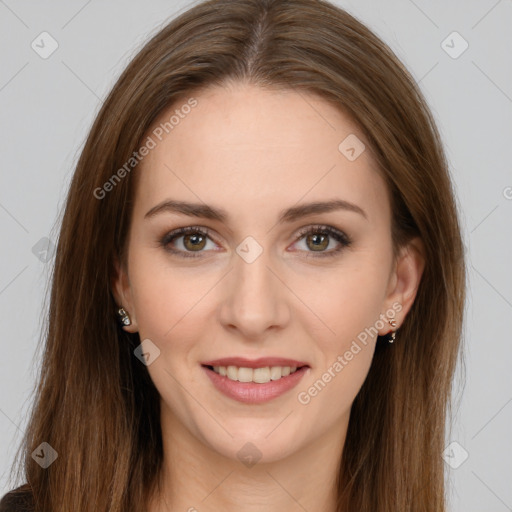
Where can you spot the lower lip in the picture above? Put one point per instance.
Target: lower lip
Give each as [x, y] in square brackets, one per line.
[252, 392]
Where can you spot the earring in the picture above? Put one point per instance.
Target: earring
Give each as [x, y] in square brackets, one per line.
[124, 317]
[392, 322]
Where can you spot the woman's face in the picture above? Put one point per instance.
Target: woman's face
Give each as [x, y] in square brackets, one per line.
[251, 285]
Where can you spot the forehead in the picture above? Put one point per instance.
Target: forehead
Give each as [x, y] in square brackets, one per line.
[249, 150]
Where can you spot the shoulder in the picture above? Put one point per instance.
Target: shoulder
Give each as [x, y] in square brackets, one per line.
[17, 500]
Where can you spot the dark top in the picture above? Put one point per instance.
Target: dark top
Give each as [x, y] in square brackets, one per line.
[18, 500]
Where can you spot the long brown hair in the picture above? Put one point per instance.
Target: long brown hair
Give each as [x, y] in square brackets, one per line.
[96, 405]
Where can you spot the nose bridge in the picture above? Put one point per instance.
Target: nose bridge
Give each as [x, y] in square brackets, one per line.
[256, 299]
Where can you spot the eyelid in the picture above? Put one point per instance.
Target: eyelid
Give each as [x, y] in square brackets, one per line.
[323, 228]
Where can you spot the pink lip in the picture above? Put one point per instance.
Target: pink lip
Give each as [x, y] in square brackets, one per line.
[252, 392]
[254, 363]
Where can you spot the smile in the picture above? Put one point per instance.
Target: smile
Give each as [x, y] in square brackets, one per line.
[256, 375]
[254, 385]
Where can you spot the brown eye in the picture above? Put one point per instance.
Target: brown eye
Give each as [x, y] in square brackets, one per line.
[194, 242]
[318, 242]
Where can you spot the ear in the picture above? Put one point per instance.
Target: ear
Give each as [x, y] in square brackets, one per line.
[121, 289]
[404, 282]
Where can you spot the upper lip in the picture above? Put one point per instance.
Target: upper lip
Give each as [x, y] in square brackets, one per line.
[254, 363]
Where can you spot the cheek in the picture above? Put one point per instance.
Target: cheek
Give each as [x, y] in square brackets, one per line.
[350, 310]
[170, 313]
[165, 297]
[348, 300]
[330, 392]
[349, 303]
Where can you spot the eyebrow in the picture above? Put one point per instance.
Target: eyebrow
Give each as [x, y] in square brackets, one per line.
[288, 215]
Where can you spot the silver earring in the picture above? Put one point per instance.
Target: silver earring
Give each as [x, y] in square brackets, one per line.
[392, 337]
[124, 317]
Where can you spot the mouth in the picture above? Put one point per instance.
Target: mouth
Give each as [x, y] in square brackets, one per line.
[254, 381]
[259, 375]
[260, 371]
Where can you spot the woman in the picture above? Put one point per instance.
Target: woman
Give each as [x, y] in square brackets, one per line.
[263, 204]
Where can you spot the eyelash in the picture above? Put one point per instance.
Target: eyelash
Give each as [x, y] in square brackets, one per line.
[339, 236]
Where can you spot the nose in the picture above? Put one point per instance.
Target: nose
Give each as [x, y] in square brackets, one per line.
[256, 299]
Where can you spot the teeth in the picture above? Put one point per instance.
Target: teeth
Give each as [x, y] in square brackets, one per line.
[275, 372]
[232, 372]
[258, 375]
[261, 375]
[245, 374]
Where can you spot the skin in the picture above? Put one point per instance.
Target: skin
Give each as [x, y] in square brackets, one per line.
[254, 152]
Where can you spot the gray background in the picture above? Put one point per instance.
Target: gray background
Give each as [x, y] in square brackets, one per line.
[47, 106]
